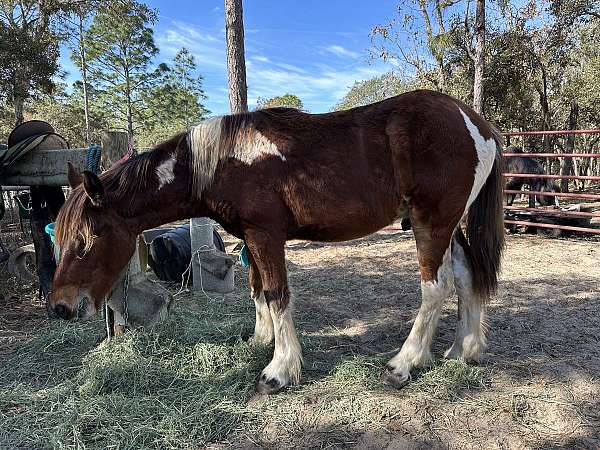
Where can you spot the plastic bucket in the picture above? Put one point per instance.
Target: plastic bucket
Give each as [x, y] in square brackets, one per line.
[244, 256]
[49, 229]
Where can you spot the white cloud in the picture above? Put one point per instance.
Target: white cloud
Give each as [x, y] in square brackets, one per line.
[323, 87]
[319, 80]
[341, 52]
[261, 58]
[208, 48]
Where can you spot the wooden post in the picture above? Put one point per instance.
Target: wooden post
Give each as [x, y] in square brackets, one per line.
[114, 146]
[212, 269]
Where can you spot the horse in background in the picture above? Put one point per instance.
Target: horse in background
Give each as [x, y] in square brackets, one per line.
[278, 174]
[524, 164]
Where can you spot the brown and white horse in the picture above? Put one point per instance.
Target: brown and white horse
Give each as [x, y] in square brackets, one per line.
[279, 174]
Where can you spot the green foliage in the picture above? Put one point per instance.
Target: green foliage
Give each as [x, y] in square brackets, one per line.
[65, 112]
[175, 102]
[29, 47]
[374, 90]
[120, 49]
[7, 121]
[539, 57]
[287, 100]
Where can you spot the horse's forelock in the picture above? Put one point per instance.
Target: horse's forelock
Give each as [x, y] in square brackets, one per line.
[74, 222]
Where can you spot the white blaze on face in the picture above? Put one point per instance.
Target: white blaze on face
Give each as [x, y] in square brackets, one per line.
[165, 173]
[252, 145]
[486, 154]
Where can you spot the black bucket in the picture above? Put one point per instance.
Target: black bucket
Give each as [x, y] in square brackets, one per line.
[170, 251]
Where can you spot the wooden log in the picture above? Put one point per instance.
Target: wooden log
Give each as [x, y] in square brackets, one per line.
[114, 147]
[43, 168]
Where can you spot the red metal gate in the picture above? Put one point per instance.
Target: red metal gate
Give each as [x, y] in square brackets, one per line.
[553, 212]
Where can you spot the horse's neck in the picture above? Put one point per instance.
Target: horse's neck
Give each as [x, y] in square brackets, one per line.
[165, 197]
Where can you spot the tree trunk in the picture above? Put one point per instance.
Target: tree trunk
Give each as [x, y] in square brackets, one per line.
[86, 102]
[128, 100]
[236, 64]
[19, 100]
[114, 147]
[18, 110]
[479, 56]
[566, 167]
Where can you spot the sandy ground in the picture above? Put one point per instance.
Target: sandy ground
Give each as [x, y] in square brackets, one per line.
[541, 370]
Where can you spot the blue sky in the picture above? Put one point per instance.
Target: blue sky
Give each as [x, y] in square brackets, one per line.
[314, 49]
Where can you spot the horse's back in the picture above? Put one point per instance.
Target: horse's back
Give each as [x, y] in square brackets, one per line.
[345, 174]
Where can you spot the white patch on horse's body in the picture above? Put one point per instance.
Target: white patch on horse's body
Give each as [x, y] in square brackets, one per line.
[263, 327]
[486, 155]
[286, 365]
[165, 173]
[469, 341]
[416, 350]
[251, 145]
[247, 145]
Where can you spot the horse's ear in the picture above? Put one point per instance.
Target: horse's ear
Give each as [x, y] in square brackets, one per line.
[93, 187]
[73, 175]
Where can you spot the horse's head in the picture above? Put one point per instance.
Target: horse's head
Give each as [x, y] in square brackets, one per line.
[549, 186]
[95, 246]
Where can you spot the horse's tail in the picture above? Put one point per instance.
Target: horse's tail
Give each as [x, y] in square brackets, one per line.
[484, 242]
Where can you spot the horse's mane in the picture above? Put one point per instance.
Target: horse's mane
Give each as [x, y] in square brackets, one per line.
[210, 142]
[123, 181]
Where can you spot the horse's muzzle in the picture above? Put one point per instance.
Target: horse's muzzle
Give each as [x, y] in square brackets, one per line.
[62, 312]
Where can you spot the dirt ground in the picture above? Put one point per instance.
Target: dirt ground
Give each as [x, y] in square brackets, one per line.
[543, 359]
[540, 378]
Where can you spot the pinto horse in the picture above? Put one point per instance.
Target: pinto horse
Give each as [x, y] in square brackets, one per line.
[277, 174]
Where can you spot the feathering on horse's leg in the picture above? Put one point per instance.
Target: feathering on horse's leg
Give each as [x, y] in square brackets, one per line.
[470, 341]
[436, 285]
[285, 367]
[263, 327]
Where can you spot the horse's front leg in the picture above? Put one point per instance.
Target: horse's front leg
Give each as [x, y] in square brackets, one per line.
[263, 327]
[269, 256]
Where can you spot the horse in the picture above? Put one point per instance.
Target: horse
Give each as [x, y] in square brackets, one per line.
[523, 164]
[278, 174]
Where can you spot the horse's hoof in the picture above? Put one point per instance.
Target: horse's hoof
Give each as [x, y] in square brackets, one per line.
[396, 380]
[454, 352]
[246, 336]
[268, 386]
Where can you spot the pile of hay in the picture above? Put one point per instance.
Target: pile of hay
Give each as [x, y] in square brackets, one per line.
[187, 383]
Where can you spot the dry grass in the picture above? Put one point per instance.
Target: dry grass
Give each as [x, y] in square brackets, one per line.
[189, 382]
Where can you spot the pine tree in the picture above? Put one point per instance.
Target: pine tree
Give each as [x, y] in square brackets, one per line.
[236, 62]
[29, 49]
[176, 102]
[120, 50]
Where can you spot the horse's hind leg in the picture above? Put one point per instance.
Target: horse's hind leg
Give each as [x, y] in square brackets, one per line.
[435, 263]
[470, 332]
[263, 327]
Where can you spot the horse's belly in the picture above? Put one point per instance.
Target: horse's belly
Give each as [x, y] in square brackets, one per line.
[342, 221]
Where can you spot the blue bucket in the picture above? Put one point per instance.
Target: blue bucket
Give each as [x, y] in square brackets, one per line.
[244, 256]
[49, 229]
